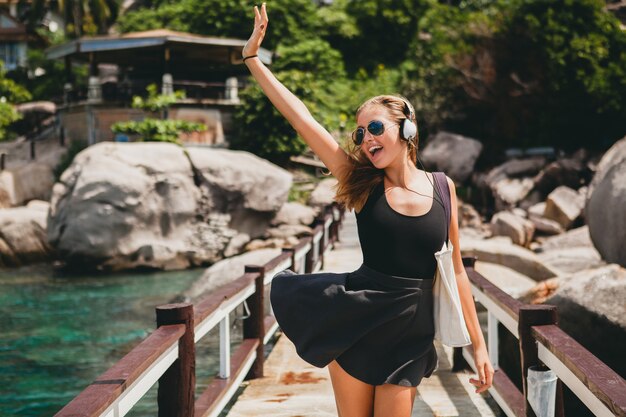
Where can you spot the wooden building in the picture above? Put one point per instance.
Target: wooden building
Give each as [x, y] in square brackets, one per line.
[208, 69]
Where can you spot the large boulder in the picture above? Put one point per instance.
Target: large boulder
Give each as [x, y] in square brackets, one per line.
[501, 250]
[243, 185]
[453, 154]
[570, 251]
[157, 205]
[294, 213]
[27, 182]
[591, 309]
[23, 235]
[605, 205]
[324, 193]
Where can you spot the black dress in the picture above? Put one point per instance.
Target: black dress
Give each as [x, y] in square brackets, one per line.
[376, 321]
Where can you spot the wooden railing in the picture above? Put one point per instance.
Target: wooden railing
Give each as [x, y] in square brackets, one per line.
[167, 355]
[541, 341]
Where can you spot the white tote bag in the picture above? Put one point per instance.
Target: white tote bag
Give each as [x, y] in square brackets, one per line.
[450, 328]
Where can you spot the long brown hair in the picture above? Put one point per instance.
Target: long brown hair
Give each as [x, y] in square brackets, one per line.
[362, 176]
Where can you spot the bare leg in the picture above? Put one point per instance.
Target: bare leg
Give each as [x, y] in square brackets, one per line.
[393, 400]
[354, 398]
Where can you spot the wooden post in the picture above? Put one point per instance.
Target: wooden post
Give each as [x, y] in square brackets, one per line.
[309, 259]
[292, 251]
[469, 261]
[177, 386]
[534, 315]
[324, 240]
[32, 149]
[254, 326]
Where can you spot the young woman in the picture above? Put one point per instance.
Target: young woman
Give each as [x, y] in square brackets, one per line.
[372, 327]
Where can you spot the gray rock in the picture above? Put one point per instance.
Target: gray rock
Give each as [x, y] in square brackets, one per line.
[570, 251]
[615, 156]
[571, 172]
[571, 259]
[453, 154]
[294, 213]
[591, 309]
[509, 191]
[247, 187]
[501, 250]
[236, 245]
[564, 206]
[508, 280]
[128, 205]
[537, 209]
[520, 230]
[544, 225]
[574, 238]
[286, 230]
[227, 270]
[605, 205]
[515, 168]
[519, 212]
[23, 236]
[275, 242]
[324, 193]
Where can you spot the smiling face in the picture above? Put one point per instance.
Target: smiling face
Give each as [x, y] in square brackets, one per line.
[384, 149]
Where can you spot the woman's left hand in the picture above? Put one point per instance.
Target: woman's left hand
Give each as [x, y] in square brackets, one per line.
[484, 370]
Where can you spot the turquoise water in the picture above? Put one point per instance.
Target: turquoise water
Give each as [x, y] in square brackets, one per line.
[58, 333]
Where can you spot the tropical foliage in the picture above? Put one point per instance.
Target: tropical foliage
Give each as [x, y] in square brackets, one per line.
[157, 130]
[512, 73]
[10, 94]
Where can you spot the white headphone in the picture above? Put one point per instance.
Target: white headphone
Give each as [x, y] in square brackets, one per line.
[408, 129]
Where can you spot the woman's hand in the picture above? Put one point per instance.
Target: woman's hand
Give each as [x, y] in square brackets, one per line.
[484, 369]
[260, 26]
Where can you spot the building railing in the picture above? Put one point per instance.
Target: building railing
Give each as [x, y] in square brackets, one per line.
[599, 388]
[167, 355]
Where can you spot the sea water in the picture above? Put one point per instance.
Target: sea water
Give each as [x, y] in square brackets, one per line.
[58, 332]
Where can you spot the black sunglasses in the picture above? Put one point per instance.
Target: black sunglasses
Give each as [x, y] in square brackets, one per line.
[375, 127]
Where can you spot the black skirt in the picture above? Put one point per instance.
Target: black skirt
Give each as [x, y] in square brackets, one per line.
[378, 327]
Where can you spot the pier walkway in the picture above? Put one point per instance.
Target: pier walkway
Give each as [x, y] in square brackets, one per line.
[292, 387]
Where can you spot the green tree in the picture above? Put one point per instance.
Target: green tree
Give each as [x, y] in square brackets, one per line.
[371, 32]
[521, 73]
[10, 93]
[292, 20]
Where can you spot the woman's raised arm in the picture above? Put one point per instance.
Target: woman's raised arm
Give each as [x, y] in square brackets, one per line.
[290, 106]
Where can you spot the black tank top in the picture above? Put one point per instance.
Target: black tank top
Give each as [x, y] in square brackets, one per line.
[398, 244]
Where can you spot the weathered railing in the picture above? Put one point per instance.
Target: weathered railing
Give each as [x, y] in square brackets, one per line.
[601, 389]
[168, 354]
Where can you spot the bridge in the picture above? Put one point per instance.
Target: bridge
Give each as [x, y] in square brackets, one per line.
[283, 384]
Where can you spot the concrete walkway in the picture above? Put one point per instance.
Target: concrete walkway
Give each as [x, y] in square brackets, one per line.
[293, 388]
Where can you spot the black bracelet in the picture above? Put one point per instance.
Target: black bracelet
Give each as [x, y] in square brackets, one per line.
[251, 56]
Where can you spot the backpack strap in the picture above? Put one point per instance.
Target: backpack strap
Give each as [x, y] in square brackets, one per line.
[444, 193]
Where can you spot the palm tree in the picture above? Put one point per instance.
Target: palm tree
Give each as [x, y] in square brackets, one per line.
[81, 16]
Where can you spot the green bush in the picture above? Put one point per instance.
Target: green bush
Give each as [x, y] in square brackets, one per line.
[10, 93]
[156, 130]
